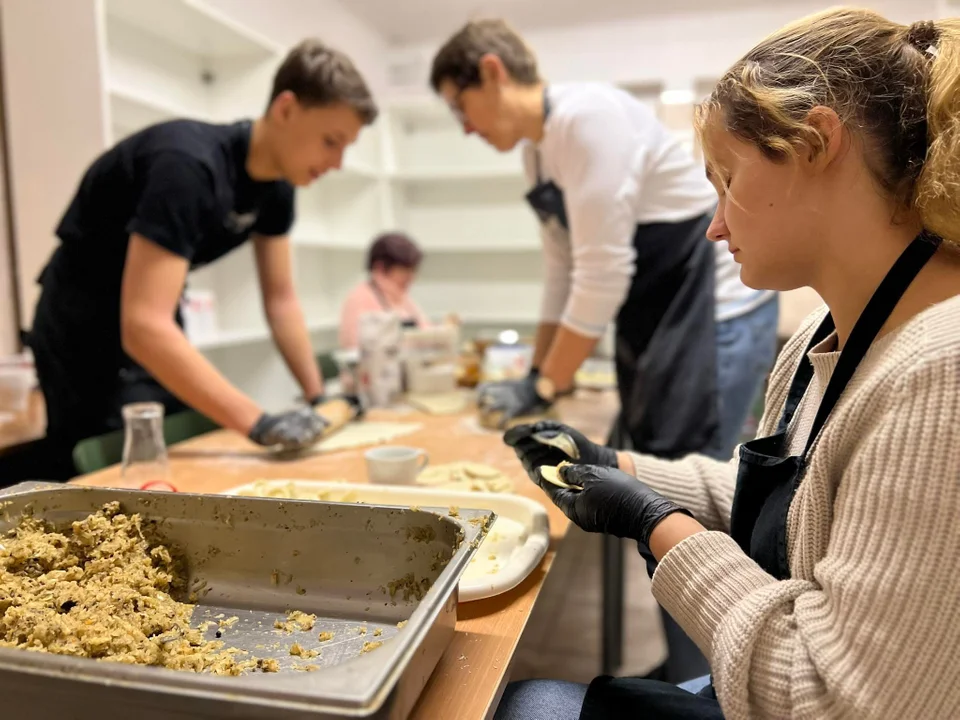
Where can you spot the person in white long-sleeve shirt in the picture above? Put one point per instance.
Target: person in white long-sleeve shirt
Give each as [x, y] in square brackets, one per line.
[624, 210]
[623, 207]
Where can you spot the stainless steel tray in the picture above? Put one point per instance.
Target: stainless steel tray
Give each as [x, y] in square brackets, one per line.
[256, 558]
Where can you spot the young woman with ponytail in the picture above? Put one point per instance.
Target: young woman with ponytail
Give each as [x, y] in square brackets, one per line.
[819, 569]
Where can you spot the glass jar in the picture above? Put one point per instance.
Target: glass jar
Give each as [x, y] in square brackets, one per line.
[144, 449]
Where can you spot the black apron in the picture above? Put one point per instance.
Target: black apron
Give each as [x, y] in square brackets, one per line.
[766, 482]
[83, 372]
[666, 340]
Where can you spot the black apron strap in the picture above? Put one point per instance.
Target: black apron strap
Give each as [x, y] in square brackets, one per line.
[874, 315]
[801, 378]
[380, 298]
[536, 151]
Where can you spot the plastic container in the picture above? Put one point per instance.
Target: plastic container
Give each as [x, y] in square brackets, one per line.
[381, 369]
[506, 362]
[511, 550]
[430, 359]
[199, 310]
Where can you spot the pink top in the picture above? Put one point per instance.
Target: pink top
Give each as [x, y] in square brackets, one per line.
[364, 298]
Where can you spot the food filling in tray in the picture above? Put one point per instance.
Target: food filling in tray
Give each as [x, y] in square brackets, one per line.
[106, 588]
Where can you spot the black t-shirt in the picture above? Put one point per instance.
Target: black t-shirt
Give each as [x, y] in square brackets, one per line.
[181, 184]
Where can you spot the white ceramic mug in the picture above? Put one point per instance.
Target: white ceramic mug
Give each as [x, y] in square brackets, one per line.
[394, 464]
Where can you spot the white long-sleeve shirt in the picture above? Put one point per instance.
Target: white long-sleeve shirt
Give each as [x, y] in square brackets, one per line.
[618, 167]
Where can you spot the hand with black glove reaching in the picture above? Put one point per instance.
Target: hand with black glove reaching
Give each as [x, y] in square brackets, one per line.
[513, 398]
[550, 443]
[291, 430]
[610, 501]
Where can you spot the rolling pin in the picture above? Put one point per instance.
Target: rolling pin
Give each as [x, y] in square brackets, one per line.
[339, 412]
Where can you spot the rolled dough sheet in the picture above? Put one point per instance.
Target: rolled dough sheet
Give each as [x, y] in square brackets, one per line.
[359, 434]
[440, 404]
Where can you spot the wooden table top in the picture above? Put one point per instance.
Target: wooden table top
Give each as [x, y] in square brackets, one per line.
[474, 669]
[26, 426]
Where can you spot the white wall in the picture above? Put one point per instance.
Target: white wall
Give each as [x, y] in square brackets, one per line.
[287, 22]
[9, 322]
[680, 49]
[676, 49]
[51, 68]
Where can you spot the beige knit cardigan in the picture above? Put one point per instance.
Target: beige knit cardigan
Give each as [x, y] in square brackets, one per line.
[868, 625]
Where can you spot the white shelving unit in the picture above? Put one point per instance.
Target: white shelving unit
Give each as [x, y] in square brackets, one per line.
[464, 204]
[414, 170]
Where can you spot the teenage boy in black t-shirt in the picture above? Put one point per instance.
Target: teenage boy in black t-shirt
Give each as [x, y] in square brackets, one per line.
[166, 200]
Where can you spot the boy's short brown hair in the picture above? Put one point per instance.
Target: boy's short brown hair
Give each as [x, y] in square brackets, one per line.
[459, 59]
[320, 75]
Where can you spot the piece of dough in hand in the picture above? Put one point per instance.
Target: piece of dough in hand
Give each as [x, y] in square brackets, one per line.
[491, 419]
[551, 474]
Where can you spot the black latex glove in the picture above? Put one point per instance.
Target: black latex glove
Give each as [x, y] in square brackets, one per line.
[528, 443]
[355, 403]
[512, 398]
[484, 388]
[291, 430]
[610, 502]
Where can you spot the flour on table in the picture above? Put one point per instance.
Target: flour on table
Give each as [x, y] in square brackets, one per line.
[441, 403]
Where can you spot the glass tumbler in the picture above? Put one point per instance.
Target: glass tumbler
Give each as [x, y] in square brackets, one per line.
[144, 449]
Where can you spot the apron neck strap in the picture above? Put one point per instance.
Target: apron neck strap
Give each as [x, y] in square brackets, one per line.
[874, 315]
[546, 114]
[801, 378]
[379, 294]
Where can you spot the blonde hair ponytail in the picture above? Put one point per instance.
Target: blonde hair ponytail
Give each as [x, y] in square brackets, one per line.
[938, 187]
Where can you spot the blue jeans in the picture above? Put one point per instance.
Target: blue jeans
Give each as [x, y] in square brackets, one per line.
[557, 699]
[746, 350]
[541, 700]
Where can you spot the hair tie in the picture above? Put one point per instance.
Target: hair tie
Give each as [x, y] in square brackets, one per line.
[924, 36]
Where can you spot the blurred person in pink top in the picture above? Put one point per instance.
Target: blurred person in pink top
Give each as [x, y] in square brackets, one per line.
[392, 262]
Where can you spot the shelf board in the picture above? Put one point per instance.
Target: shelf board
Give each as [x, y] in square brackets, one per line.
[310, 238]
[521, 246]
[193, 26]
[443, 175]
[421, 109]
[251, 336]
[357, 168]
[134, 108]
[478, 319]
[320, 241]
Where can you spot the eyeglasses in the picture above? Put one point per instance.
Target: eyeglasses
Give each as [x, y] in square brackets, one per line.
[456, 107]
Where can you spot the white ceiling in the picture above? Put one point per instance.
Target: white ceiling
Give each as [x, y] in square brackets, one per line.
[411, 21]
